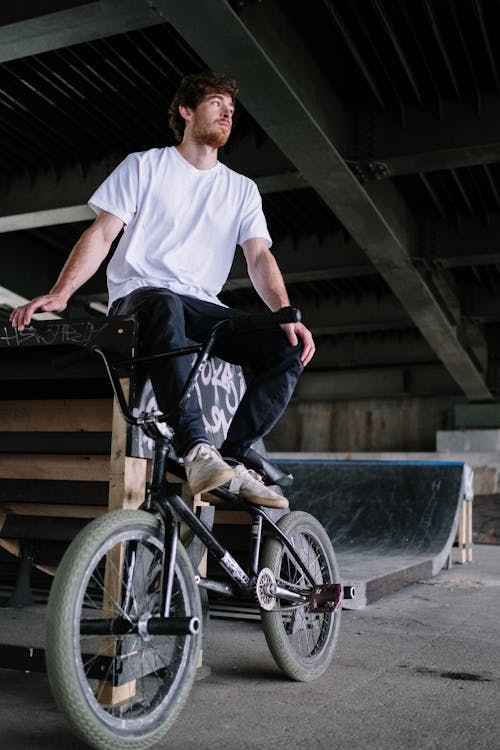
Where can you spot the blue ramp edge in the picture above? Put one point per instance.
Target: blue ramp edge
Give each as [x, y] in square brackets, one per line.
[391, 522]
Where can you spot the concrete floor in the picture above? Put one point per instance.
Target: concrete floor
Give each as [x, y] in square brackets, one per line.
[417, 670]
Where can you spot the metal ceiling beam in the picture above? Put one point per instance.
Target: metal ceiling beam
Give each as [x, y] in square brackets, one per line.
[307, 276]
[470, 242]
[481, 304]
[81, 23]
[299, 111]
[462, 138]
[48, 218]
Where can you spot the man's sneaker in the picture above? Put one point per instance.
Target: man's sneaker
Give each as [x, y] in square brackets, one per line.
[205, 468]
[250, 486]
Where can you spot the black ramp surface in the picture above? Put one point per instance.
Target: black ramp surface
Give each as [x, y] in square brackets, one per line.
[391, 522]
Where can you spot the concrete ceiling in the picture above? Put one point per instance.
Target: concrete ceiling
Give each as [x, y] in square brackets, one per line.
[370, 127]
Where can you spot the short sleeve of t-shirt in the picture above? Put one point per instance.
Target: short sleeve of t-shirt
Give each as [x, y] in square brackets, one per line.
[118, 193]
[253, 222]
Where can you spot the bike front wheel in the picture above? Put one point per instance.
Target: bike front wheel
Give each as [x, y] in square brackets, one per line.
[302, 642]
[121, 689]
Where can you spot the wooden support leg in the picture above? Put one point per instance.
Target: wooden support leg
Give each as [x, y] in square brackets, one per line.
[464, 533]
[194, 502]
[127, 483]
[127, 487]
[468, 534]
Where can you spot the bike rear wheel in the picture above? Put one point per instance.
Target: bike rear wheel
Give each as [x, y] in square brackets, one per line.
[302, 642]
[120, 692]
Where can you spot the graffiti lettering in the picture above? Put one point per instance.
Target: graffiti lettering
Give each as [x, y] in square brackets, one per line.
[47, 334]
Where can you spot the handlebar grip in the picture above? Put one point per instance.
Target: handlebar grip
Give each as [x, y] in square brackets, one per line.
[265, 320]
[73, 358]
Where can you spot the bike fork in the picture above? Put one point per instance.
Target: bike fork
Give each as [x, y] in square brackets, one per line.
[171, 540]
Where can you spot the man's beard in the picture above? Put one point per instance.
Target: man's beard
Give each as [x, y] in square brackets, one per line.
[212, 136]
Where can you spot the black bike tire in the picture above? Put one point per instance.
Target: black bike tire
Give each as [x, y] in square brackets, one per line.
[300, 667]
[62, 651]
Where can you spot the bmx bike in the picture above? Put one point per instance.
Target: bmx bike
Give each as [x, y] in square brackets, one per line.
[124, 614]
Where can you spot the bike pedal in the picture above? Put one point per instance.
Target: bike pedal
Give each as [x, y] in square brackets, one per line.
[326, 598]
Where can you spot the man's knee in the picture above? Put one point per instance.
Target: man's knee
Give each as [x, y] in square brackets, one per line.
[278, 349]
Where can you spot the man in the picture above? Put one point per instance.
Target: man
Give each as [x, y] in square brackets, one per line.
[182, 213]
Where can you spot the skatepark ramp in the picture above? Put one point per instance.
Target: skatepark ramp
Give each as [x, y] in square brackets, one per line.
[391, 522]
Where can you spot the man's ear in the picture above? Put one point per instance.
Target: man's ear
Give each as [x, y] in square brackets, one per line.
[185, 112]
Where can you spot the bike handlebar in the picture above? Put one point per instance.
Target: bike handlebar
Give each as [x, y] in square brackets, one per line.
[242, 323]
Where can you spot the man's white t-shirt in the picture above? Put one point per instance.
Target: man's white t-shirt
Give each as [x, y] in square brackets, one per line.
[182, 224]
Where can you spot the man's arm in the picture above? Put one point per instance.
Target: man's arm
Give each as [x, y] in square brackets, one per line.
[266, 277]
[83, 261]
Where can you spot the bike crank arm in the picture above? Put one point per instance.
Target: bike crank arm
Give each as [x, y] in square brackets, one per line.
[290, 596]
[218, 586]
[144, 627]
[321, 598]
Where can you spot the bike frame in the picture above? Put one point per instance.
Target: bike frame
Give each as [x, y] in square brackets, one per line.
[163, 500]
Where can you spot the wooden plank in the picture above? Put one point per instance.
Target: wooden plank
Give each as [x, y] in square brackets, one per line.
[35, 527]
[78, 468]
[24, 658]
[110, 694]
[36, 367]
[63, 443]
[127, 485]
[65, 492]
[127, 489]
[56, 511]
[468, 530]
[461, 534]
[57, 415]
[232, 517]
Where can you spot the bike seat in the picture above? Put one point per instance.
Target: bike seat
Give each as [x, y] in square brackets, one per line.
[271, 473]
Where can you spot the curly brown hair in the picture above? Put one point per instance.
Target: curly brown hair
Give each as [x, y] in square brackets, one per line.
[192, 89]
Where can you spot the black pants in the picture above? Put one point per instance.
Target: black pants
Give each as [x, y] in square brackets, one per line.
[170, 321]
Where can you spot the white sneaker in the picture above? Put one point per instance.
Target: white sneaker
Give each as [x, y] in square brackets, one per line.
[250, 486]
[205, 468]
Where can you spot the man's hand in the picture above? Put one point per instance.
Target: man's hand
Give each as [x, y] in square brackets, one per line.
[21, 316]
[83, 261]
[296, 332]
